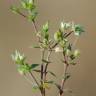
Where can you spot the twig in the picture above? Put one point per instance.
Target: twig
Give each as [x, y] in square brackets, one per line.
[34, 79]
[65, 71]
[34, 25]
[28, 79]
[68, 34]
[46, 66]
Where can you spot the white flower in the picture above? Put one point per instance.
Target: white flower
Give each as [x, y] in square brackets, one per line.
[65, 25]
[17, 56]
[58, 49]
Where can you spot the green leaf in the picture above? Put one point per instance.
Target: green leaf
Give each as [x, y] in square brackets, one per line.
[28, 4]
[45, 27]
[24, 4]
[72, 57]
[53, 74]
[23, 69]
[34, 66]
[68, 52]
[69, 46]
[45, 33]
[67, 76]
[76, 53]
[35, 46]
[15, 9]
[62, 43]
[58, 36]
[78, 30]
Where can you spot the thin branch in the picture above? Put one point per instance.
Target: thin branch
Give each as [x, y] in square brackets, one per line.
[46, 66]
[34, 79]
[63, 81]
[28, 79]
[65, 71]
[35, 27]
[68, 34]
[22, 14]
[55, 45]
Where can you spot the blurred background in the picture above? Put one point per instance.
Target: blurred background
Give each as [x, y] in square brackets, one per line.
[17, 33]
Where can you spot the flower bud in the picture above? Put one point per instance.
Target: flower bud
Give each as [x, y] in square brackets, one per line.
[76, 53]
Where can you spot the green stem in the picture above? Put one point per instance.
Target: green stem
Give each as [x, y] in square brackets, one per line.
[35, 80]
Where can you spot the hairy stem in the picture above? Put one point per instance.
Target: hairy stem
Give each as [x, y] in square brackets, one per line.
[65, 72]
